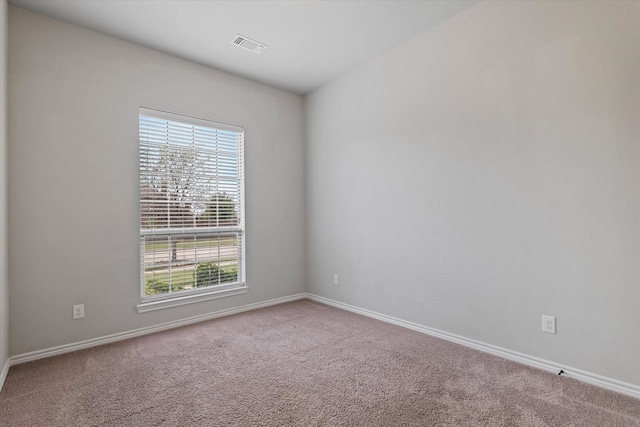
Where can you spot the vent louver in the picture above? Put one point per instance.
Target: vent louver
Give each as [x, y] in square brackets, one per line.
[248, 44]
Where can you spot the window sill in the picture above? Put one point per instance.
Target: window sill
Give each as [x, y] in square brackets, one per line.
[152, 304]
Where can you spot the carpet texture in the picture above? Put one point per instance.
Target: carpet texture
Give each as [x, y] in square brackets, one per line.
[302, 364]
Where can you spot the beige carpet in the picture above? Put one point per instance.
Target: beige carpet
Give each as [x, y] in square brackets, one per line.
[302, 364]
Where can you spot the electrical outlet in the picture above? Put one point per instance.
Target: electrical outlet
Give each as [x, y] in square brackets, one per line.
[78, 311]
[335, 279]
[548, 324]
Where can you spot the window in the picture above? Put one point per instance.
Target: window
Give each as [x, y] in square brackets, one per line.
[191, 208]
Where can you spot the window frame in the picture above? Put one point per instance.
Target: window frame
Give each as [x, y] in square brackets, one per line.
[182, 297]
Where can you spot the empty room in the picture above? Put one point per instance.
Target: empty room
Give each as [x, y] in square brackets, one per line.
[319, 213]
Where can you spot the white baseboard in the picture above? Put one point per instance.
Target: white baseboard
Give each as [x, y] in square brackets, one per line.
[587, 377]
[3, 374]
[66, 348]
[546, 365]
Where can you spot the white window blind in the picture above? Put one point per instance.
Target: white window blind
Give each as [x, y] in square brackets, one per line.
[191, 204]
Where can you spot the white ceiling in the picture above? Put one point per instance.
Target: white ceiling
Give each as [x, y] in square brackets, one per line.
[310, 42]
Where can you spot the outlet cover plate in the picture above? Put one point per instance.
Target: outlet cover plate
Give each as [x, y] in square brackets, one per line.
[78, 311]
[548, 324]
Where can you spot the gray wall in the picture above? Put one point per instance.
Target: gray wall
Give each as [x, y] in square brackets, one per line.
[73, 178]
[485, 173]
[4, 291]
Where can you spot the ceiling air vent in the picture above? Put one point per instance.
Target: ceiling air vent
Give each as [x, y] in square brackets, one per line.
[247, 43]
